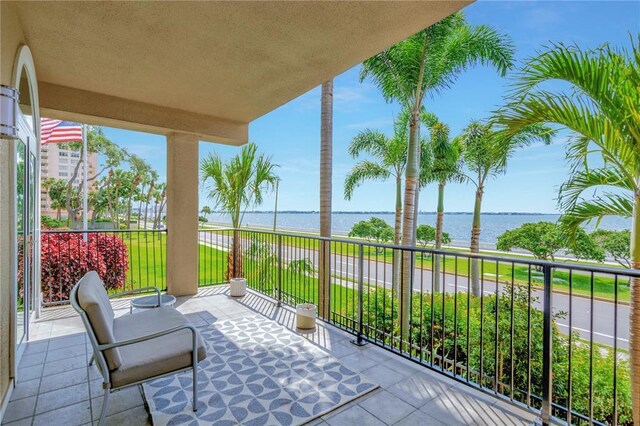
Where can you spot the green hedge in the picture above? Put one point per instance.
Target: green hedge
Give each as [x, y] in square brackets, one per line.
[468, 335]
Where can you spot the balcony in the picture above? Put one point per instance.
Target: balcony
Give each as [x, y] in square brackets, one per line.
[57, 383]
[536, 341]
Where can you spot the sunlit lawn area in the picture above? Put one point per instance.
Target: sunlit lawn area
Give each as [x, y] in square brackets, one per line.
[147, 252]
[603, 287]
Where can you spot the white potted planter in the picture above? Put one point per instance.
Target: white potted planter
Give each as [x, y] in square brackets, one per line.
[306, 316]
[237, 287]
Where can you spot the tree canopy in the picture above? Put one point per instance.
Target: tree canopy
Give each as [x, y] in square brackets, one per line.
[426, 235]
[615, 244]
[546, 239]
[374, 229]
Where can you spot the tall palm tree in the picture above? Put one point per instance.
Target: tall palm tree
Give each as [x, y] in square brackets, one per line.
[429, 62]
[326, 172]
[446, 167]
[603, 112]
[235, 186]
[486, 149]
[389, 160]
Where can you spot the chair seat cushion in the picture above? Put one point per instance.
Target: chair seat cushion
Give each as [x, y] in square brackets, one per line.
[154, 357]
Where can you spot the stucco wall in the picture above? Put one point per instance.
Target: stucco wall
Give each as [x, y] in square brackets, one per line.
[10, 38]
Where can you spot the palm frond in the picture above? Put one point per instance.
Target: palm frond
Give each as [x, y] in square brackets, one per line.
[372, 142]
[594, 210]
[572, 190]
[361, 172]
[240, 183]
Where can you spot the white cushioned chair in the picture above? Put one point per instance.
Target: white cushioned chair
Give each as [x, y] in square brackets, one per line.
[133, 349]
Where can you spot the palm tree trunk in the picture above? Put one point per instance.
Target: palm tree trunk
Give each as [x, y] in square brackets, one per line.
[142, 191]
[439, 223]
[397, 238]
[129, 207]
[634, 314]
[408, 234]
[326, 163]
[474, 247]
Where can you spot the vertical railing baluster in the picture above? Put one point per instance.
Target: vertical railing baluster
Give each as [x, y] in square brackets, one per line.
[512, 330]
[547, 347]
[615, 351]
[569, 366]
[279, 270]
[234, 253]
[496, 379]
[359, 340]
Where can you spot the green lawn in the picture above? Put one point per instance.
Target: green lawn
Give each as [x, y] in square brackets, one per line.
[147, 254]
[147, 260]
[603, 286]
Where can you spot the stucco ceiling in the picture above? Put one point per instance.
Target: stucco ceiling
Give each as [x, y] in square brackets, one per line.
[232, 60]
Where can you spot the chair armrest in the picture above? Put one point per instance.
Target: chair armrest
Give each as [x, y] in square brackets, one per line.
[140, 290]
[191, 327]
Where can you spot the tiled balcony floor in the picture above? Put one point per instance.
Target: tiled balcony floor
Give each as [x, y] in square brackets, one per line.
[54, 381]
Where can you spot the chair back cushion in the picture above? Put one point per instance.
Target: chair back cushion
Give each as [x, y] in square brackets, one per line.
[94, 301]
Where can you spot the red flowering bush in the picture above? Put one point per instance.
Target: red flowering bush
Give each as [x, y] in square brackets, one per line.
[66, 257]
[114, 254]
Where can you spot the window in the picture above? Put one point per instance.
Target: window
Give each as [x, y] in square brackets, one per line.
[63, 174]
[63, 154]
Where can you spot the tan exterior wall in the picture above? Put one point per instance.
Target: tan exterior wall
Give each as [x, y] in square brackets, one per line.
[182, 214]
[11, 37]
[6, 248]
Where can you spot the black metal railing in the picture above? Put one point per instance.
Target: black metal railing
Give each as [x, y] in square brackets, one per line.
[551, 337]
[124, 259]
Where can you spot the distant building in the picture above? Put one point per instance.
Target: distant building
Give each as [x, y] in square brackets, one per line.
[58, 162]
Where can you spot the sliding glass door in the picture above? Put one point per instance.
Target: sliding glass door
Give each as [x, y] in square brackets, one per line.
[26, 175]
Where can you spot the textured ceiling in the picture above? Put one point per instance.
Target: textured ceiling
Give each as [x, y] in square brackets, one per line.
[233, 60]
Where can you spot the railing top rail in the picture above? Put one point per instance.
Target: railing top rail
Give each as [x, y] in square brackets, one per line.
[635, 273]
[97, 231]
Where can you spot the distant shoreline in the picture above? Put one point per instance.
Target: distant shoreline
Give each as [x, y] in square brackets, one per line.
[392, 212]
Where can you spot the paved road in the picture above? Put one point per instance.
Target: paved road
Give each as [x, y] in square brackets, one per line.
[591, 319]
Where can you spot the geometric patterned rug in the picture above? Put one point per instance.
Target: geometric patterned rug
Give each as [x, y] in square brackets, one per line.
[257, 372]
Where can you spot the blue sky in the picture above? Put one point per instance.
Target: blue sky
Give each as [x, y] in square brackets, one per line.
[291, 133]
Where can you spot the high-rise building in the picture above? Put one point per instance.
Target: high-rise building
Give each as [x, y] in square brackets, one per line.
[59, 162]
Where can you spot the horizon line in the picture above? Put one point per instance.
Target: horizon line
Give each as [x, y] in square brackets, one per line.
[389, 212]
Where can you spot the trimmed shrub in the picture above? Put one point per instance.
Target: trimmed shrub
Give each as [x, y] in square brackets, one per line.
[66, 257]
[51, 223]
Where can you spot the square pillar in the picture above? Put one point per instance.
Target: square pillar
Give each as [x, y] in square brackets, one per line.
[182, 214]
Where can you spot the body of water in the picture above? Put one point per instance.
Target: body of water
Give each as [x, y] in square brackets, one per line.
[458, 225]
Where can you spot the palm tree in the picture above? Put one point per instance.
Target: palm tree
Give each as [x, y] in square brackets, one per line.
[446, 167]
[140, 169]
[206, 210]
[389, 161]
[153, 178]
[326, 171]
[603, 112]
[430, 61]
[235, 186]
[485, 150]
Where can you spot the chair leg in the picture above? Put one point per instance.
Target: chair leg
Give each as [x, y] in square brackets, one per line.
[195, 387]
[105, 406]
[93, 358]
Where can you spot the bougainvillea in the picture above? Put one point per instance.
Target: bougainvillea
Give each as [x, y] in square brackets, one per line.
[66, 257]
